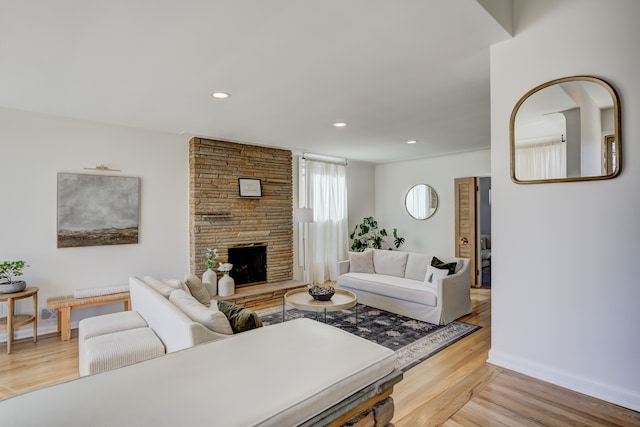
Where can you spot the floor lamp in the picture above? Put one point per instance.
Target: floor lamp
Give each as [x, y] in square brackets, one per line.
[303, 216]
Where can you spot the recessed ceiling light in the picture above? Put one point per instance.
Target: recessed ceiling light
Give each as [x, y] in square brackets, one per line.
[412, 141]
[220, 95]
[339, 124]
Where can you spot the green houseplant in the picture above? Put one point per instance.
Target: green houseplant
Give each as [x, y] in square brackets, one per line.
[9, 270]
[367, 235]
[211, 258]
[210, 277]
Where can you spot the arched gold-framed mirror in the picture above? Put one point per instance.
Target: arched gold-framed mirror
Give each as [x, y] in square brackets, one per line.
[421, 201]
[566, 130]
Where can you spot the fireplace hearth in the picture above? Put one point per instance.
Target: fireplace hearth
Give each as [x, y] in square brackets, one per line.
[249, 264]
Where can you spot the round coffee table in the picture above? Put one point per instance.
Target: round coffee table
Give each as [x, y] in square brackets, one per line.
[300, 299]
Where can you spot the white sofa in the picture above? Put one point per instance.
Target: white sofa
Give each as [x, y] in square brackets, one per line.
[398, 282]
[279, 375]
[176, 330]
[164, 319]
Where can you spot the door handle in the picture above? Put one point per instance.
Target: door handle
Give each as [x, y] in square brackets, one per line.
[464, 241]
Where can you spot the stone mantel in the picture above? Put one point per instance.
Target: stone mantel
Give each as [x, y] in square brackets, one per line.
[219, 218]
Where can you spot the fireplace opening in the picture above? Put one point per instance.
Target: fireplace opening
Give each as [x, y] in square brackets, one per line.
[249, 264]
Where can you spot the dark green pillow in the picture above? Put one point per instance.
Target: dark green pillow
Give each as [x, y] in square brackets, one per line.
[435, 262]
[241, 319]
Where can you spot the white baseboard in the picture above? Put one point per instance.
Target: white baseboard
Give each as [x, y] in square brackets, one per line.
[607, 392]
[44, 327]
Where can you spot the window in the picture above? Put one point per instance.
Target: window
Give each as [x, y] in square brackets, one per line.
[323, 187]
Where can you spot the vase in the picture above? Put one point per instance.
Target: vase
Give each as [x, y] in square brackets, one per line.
[210, 280]
[226, 285]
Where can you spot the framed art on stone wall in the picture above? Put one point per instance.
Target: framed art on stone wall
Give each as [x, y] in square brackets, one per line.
[97, 210]
[250, 187]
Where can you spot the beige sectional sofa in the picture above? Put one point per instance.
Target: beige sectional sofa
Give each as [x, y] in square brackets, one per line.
[165, 318]
[279, 375]
[406, 283]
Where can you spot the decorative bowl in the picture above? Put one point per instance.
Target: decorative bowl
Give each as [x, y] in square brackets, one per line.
[322, 293]
[12, 287]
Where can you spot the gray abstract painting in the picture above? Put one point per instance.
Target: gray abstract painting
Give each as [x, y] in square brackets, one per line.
[96, 210]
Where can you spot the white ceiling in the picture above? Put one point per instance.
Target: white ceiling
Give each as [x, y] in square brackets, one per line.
[393, 70]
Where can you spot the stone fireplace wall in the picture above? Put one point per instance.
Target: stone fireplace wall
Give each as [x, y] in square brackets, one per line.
[220, 218]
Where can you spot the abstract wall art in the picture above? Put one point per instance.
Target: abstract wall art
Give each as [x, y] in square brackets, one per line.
[97, 210]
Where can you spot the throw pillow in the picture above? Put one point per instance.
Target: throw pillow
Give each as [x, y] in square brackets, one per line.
[433, 274]
[391, 263]
[197, 289]
[451, 266]
[241, 319]
[159, 286]
[213, 320]
[417, 266]
[177, 284]
[361, 262]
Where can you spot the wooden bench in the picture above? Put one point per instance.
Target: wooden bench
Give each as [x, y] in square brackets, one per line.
[66, 303]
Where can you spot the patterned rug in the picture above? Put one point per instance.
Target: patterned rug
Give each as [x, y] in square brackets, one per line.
[412, 340]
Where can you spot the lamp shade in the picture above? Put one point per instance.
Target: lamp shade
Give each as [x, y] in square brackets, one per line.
[303, 215]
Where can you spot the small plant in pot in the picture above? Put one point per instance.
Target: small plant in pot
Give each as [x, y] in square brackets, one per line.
[9, 270]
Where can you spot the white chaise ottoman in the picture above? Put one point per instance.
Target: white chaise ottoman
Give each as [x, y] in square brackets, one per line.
[112, 351]
[109, 323]
[102, 325]
[287, 374]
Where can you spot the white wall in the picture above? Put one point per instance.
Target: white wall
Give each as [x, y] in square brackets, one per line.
[360, 192]
[33, 149]
[436, 234]
[565, 256]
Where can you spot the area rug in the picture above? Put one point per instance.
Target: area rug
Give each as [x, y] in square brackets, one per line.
[412, 340]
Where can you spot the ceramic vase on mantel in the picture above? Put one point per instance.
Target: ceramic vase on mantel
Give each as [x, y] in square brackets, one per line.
[210, 281]
[226, 285]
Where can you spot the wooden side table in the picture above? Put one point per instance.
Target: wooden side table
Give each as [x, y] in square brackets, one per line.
[12, 320]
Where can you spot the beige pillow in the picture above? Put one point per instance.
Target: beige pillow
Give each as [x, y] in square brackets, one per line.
[176, 284]
[361, 262]
[391, 263]
[197, 289]
[212, 319]
[160, 286]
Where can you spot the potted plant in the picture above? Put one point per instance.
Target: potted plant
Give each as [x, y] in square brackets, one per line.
[9, 270]
[210, 278]
[367, 235]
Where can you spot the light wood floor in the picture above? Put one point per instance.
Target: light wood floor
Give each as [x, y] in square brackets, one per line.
[455, 387]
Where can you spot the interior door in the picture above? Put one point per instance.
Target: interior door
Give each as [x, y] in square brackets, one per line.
[466, 223]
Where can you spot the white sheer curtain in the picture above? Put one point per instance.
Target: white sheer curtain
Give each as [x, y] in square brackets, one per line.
[324, 188]
[418, 201]
[541, 161]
